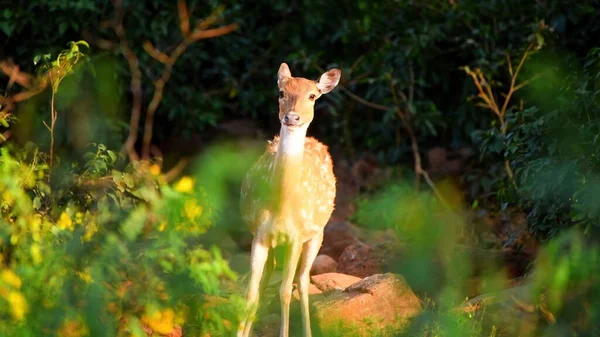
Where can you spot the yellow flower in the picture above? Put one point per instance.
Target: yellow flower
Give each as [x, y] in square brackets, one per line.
[91, 229]
[192, 210]
[160, 321]
[36, 254]
[18, 304]
[7, 199]
[10, 278]
[185, 184]
[65, 222]
[78, 218]
[155, 169]
[85, 275]
[162, 226]
[35, 226]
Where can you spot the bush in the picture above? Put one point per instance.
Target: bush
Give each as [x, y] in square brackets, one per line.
[116, 245]
[92, 246]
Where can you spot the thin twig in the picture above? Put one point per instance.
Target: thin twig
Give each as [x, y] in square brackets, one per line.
[12, 71]
[490, 102]
[365, 102]
[136, 82]
[200, 32]
[176, 170]
[419, 171]
[53, 117]
[5, 136]
[159, 86]
[514, 80]
[155, 53]
[356, 63]
[400, 112]
[184, 18]
[411, 84]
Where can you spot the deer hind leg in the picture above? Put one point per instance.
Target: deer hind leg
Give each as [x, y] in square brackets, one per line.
[309, 253]
[292, 255]
[264, 283]
[258, 258]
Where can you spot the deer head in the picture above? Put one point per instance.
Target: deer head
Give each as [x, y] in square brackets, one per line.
[297, 96]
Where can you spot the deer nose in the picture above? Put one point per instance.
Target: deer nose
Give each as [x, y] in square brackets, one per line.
[291, 119]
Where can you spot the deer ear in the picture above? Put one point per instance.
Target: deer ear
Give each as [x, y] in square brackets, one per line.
[283, 73]
[329, 80]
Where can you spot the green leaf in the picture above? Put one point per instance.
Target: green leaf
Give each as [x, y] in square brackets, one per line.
[100, 166]
[112, 155]
[7, 28]
[135, 327]
[37, 203]
[82, 42]
[134, 224]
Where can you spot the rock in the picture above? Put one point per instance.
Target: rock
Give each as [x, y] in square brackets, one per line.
[323, 264]
[436, 157]
[367, 174]
[443, 162]
[361, 260]
[338, 235]
[382, 302]
[312, 290]
[333, 281]
[347, 189]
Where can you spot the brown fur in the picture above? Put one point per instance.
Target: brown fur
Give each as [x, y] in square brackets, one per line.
[296, 98]
[288, 197]
[316, 171]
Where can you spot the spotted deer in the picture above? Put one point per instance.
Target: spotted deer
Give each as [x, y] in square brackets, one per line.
[288, 196]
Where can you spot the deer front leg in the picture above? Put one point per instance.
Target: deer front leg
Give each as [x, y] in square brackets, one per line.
[309, 253]
[285, 292]
[258, 258]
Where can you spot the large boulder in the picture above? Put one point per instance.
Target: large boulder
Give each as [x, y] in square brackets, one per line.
[382, 302]
[338, 235]
[362, 260]
[312, 290]
[333, 281]
[323, 264]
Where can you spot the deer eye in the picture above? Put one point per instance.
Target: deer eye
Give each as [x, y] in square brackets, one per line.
[312, 97]
[281, 94]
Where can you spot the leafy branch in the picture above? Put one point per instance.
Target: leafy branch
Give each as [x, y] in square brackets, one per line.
[488, 99]
[66, 61]
[56, 71]
[199, 32]
[402, 102]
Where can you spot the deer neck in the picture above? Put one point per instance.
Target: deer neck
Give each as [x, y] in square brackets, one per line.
[288, 167]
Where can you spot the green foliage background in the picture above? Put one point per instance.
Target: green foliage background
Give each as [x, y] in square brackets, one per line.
[232, 76]
[552, 143]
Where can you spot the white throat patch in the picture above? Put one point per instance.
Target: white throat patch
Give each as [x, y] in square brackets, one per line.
[291, 142]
